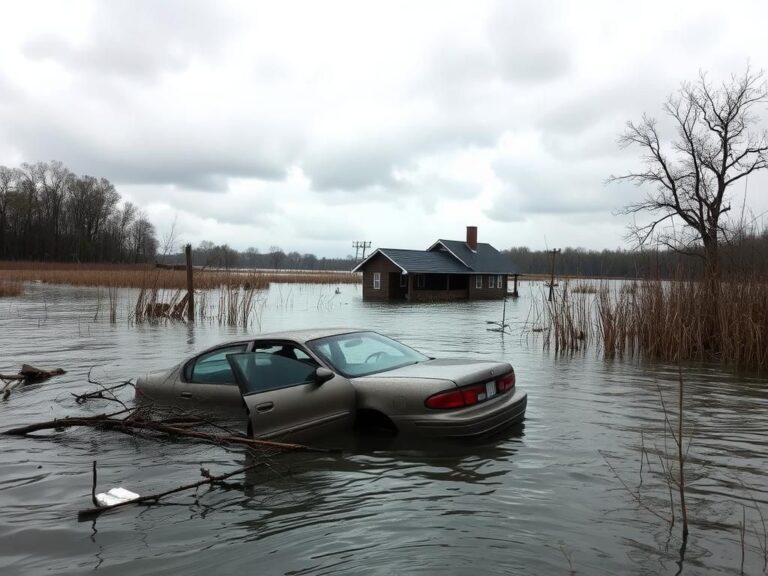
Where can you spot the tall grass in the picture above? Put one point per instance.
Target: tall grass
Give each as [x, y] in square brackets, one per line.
[143, 276]
[233, 306]
[154, 304]
[9, 289]
[568, 320]
[688, 320]
[683, 320]
[239, 307]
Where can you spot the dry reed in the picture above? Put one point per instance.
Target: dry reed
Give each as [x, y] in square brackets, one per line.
[234, 306]
[238, 307]
[584, 288]
[142, 276]
[153, 304]
[568, 320]
[688, 320]
[9, 289]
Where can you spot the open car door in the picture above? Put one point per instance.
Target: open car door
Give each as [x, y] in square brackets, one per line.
[285, 396]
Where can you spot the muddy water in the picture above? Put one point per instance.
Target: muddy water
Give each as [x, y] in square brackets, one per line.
[555, 497]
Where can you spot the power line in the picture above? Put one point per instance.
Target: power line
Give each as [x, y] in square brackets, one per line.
[360, 245]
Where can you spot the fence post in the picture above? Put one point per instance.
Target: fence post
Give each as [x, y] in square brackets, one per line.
[190, 285]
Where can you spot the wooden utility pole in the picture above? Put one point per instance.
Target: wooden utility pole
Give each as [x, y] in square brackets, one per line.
[190, 285]
[358, 246]
[552, 284]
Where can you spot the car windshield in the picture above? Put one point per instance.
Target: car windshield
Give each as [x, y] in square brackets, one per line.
[364, 353]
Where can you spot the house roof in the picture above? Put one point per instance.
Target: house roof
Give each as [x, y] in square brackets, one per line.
[446, 257]
[485, 260]
[418, 261]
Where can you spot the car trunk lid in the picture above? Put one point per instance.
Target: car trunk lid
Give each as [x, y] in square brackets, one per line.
[460, 371]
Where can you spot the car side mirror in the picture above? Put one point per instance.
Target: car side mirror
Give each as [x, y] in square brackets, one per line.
[323, 375]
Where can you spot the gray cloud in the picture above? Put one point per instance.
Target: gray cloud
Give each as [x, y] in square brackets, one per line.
[624, 98]
[140, 38]
[530, 41]
[133, 148]
[373, 162]
[540, 184]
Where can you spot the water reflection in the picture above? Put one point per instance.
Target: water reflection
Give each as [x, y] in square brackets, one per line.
[538, 500]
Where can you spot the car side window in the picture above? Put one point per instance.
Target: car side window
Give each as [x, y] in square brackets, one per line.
[284, 349]
[213, 368]
[262, 371]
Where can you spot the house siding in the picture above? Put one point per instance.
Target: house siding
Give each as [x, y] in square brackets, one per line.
[438, 295]
[486, 293]
[384, 266]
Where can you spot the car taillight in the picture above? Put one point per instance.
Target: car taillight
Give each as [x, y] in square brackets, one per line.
[446, 400]
[458, 398]
[506, 382]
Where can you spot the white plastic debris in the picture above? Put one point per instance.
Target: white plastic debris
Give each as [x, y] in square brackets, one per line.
[115, 496]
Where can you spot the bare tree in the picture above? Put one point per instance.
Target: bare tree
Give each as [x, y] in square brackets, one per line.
[276, 256]
[8, 181]
[689, 178]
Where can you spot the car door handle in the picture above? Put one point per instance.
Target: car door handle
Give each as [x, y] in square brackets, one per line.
[265, 407]
[186, 394]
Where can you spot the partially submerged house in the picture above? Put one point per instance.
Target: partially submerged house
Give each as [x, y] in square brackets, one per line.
[447, 270]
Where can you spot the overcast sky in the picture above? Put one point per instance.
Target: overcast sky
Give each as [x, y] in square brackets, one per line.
[309, 125]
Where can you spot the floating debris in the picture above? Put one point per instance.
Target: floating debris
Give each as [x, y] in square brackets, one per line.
[27, 375]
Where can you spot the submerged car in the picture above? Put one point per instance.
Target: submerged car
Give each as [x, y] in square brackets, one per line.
[317, 380]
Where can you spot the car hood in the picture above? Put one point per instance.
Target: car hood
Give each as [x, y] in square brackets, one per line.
[459, 370]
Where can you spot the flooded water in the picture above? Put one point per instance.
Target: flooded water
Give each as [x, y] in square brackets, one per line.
[577, 490]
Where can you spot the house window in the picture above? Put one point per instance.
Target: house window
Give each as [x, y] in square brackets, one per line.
[403, 281]
[377, 280]
[421, 281]
[500, 282]
[491, 282]
[478, 281]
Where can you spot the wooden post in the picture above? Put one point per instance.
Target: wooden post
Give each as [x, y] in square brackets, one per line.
[190, 285]
[409, 294]
[554, 253]
[514, 288]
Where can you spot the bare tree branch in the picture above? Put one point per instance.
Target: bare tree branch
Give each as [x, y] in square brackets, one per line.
[688, 177]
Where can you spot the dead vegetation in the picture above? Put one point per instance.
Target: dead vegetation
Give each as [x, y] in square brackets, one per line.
[142, 421]
[27, 375]
[145, 276]
[566, 323]
[230, 306]
[661, 320]
[685, 320]
[10, 289]
[583, 287]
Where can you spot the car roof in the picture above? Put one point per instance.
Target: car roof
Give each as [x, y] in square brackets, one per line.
[306, 334]
[303, 335]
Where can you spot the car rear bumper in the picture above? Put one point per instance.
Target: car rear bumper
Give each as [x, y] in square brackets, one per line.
[485, 418]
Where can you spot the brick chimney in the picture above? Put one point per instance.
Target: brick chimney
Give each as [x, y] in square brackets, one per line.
[472, 238]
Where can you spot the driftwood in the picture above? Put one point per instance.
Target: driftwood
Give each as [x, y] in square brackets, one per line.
[167, 310]
[109, 391]
[27, 375]
[207, 479]
[134, 425]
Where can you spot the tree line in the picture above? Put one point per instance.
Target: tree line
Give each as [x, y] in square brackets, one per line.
[212, 255]
[748, 252]
[745, 253]
[47, 212]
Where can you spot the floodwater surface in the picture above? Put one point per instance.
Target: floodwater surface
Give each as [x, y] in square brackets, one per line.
[578, 489]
